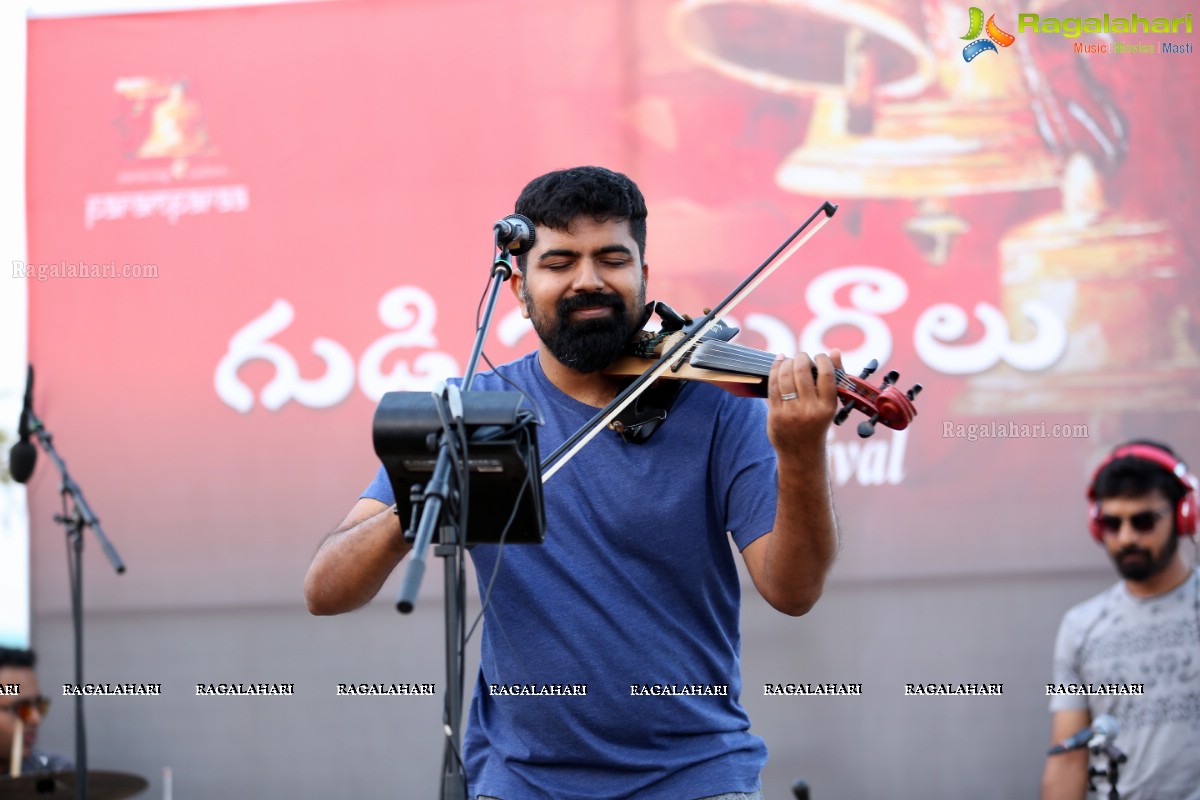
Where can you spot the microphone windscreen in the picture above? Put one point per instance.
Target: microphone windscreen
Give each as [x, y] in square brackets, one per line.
[1107, 725]
[21, 460]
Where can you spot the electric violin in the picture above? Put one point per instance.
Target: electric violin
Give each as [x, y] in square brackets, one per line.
[742, 371]
[886, 404]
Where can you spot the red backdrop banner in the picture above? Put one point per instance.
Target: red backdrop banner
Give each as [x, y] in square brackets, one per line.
[246, 225]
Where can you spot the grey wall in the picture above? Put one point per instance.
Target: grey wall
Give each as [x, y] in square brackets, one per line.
[882, 745]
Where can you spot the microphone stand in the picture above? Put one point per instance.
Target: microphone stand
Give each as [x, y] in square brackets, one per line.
[1112, 773]
[77, 515]
[436, 493]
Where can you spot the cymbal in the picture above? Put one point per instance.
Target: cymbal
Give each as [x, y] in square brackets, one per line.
[100, 785]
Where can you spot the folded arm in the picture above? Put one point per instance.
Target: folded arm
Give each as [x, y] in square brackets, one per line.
[351, 565]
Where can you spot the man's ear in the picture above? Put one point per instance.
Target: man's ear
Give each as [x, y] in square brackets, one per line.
[517, 284]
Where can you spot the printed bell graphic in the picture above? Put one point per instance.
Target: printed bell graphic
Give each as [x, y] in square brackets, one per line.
[895, 115]
[1118, 280]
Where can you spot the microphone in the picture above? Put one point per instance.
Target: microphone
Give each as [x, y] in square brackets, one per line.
[1098, 734]
[23, 455]
[515, 232]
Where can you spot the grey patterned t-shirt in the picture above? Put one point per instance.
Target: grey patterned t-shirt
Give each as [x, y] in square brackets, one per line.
[1115, 643]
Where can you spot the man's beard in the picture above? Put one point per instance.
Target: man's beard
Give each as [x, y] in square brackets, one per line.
[1147, 566]
[589, 345]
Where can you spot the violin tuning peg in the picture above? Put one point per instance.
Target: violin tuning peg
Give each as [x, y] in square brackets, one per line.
[866, 428]
[842, 414]
[914, 391]
[871, 366]
[890, 378]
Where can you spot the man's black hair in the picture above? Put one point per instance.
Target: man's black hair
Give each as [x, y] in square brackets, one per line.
[556, 198]
[1132, 476]
[12, 657]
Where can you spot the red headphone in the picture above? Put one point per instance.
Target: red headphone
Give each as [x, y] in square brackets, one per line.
[1186, 511]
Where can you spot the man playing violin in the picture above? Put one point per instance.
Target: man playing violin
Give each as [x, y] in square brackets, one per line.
[635, 592]
[1133, 651]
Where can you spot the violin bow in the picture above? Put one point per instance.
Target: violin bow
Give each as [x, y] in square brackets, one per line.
[567, 450]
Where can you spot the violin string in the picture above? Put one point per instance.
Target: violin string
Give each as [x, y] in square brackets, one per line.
[752, 362]
[739, 358]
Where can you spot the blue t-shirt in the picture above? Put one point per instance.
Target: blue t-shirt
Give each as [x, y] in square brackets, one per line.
[635, 595]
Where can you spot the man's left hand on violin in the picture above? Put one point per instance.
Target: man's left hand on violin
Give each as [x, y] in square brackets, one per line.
[802, 399]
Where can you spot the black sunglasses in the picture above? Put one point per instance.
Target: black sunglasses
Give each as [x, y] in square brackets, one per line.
[24, 708]
[1142, 522]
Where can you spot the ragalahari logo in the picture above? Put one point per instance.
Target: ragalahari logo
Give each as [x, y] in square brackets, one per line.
[995, 35]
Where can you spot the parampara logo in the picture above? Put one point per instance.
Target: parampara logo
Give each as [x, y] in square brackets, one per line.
[995, 35]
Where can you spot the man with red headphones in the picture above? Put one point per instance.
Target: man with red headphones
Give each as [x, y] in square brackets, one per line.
[1133, 651]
